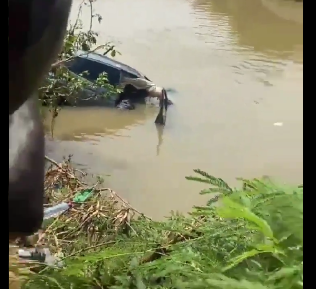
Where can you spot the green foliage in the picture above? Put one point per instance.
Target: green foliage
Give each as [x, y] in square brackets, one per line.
[249, 238]
[62, 86]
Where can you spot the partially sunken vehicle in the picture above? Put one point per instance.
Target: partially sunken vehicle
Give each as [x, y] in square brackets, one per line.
[136, 86]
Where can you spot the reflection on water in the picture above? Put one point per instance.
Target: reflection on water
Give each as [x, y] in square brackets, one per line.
[236, 67]
[260, 29]
[253, 28]
[84, 124]
[159, 129]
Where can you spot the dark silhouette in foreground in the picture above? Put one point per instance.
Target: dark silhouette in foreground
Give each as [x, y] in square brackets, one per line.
[36, 33]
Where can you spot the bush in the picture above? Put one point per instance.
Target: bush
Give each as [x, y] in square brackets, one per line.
[62, 86]
[250, 238]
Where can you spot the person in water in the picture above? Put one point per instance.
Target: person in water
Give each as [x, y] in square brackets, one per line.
[36, 33]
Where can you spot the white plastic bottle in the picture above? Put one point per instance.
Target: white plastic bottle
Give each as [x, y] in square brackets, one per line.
[55, 211]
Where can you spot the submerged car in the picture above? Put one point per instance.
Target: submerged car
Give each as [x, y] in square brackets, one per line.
[135, 85]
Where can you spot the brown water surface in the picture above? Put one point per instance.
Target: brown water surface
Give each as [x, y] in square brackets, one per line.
[237, 69]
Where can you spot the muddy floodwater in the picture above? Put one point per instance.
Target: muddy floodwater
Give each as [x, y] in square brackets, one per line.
[235, 68]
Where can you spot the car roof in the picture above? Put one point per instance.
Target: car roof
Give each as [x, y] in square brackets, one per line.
[108, 61]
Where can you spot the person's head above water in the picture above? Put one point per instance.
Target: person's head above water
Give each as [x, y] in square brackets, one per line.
[36, 33]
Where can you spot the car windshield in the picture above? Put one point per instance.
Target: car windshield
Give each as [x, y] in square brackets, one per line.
[94, 69]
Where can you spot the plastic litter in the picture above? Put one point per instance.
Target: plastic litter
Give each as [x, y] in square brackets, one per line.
[55, 211]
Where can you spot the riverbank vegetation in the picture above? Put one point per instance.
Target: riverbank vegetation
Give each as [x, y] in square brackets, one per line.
[243, 238]
[247, 238]
[62, 86]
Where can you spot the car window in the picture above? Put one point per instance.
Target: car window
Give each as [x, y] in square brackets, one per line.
[129, 75]
[79, 65]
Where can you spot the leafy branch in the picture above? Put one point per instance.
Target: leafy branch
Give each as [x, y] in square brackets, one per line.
[62, 86]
